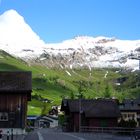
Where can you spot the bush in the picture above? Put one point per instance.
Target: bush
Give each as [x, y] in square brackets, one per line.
[129, 124]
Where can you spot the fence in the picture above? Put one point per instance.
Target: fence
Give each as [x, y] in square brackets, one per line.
[108, 129]
[133, 133]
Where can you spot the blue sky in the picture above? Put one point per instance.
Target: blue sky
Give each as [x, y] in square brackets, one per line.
[58, 20]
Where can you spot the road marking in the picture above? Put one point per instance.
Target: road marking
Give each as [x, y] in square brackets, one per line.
[79, 138]
[40, 136]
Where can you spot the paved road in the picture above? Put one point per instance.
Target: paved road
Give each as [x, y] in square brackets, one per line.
[52, 134]
[32, 136]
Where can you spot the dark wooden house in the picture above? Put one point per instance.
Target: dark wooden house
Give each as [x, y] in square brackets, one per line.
[130, 110]
[15, 91]
[90, 113]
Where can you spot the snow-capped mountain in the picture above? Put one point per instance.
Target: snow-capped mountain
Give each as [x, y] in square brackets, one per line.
[18, 39]
[92, 52]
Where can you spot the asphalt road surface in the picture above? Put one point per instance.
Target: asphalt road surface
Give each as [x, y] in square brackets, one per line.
[52, 134]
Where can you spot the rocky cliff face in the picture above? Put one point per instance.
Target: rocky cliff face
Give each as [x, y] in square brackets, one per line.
[18, 39]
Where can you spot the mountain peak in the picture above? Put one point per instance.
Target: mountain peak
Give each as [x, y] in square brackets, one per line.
[11, 16]
[11, 12]
[17, 34]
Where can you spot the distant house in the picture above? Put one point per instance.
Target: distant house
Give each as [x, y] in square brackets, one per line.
[15, 92]
[46, 121]
[54, 111]
[31, 121]
[121, 80]
[130, 109]
[91, 113]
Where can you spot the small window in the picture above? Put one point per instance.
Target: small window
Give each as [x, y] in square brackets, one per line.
[125, 115]
[3, 116]
[133, 116]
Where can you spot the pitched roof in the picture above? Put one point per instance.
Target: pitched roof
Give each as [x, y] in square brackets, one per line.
[93, 108]
[15, 81]
[130, 105]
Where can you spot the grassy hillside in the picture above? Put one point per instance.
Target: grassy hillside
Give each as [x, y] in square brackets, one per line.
[55, 84]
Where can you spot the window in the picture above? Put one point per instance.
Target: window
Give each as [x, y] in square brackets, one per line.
[3, 116]
[124, 116]
[133, 116]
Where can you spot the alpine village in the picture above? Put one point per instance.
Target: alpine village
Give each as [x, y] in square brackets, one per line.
[85, 88]
[48, 98]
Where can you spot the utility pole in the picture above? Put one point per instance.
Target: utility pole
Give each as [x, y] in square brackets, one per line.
[80, 115]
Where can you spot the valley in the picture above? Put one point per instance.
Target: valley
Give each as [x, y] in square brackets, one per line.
[51, 85]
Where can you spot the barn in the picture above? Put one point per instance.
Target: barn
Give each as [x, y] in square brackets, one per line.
[90, 113]
[15, 92]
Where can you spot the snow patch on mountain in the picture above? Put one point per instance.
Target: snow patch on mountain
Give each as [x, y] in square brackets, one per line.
[18, 39]
[96, 52]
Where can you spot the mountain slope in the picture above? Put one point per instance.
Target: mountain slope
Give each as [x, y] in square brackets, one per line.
[92, 52]
[55, 84]
[18, 39]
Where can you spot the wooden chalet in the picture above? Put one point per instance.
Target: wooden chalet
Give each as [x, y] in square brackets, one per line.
[130, 110]
[15, 91]
[90, 113]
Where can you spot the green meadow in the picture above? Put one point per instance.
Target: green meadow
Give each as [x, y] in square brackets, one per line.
[50, 86]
